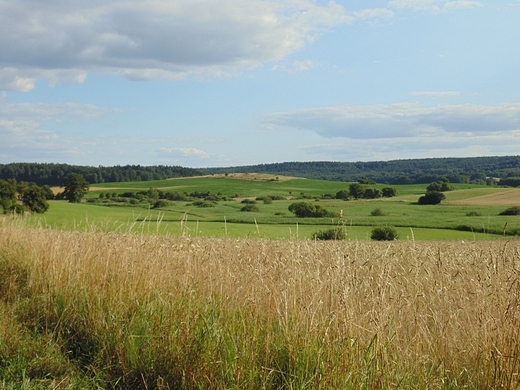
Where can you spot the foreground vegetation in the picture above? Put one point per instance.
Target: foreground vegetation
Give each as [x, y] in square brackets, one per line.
[111, 310]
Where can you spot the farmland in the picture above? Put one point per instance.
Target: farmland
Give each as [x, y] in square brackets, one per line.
[110, 293]
[469, 212]
[91, 310]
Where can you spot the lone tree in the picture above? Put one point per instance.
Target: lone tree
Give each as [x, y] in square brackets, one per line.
[75, 187]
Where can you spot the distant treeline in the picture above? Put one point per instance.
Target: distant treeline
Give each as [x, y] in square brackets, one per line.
[53, 174]
[481, 170]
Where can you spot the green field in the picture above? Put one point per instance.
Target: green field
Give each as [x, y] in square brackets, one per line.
[449, 220]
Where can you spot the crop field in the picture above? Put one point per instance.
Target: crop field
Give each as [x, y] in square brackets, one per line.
[96, 310]
[469, 212]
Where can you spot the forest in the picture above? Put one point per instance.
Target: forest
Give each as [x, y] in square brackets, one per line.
[54, 174]
[475, 170]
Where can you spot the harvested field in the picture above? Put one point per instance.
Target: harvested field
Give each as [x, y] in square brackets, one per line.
[505, 198]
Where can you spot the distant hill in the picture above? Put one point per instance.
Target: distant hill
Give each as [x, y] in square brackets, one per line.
[419, 171]
[481, 170]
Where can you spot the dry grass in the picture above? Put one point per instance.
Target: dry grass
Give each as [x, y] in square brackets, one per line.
[143, 311]
[506, 198]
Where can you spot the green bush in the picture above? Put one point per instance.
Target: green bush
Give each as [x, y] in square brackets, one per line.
[330, 234]
[473, 214]
[515, 210]
[250, 208]
[384, 233]
[309, 210]
[161, 203]
[432, 197]
[377, 213]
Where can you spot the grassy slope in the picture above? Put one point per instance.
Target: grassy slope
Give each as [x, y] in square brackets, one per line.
[227, 219]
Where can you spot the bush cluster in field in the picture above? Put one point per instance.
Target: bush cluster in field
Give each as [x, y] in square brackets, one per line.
[157, 198]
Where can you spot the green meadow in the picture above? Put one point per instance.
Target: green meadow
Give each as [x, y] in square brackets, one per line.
[460, 216]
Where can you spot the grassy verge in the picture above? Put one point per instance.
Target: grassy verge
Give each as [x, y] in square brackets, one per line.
[111, 310]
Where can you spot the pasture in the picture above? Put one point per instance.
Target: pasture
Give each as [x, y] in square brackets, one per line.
[469, 212]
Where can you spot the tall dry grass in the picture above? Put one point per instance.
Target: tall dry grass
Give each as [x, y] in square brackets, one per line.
[108, 310]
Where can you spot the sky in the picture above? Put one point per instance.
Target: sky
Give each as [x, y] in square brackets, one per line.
[218, 83]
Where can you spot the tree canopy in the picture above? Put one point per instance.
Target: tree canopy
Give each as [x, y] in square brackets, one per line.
[75, 187]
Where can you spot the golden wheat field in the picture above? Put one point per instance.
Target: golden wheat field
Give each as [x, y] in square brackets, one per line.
[106, 310]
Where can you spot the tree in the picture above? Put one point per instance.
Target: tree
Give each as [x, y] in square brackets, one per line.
[35, 198]
[75, 187]
[372, 193]
[356, 190]
[7, 195]
[440, 186]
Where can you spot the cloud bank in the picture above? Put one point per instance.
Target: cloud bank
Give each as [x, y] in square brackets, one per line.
[61, 40]
[398, 120]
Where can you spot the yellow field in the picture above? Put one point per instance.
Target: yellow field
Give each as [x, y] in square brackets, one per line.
[509, 197]
[146, 311]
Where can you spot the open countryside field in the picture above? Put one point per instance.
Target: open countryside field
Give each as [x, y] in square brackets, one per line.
[469, 212]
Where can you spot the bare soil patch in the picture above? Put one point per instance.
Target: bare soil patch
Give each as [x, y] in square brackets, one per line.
[254, 176]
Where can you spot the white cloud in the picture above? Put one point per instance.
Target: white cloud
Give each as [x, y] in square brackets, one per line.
[26, 134]
[436, 94]
[398, 120]
[64, 40]
[374, 14]
[434, 5]
[185, 152]
[296, 66]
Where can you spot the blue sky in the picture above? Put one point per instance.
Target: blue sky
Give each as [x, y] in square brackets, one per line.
[208, 83]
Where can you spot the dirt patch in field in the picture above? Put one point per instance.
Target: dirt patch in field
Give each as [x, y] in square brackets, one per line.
[506, 198]
[255, 176]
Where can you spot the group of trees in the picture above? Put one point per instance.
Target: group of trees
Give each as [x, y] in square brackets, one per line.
[434, 192]
[361, 191]
[23, 196]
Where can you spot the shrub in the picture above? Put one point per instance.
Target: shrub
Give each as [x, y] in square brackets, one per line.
[203, 203]
[268, 200]
[377, 213]
[250, 207]
[515, 210]
[384, 233]
[342, 194]
[473, 214]
[389, 192]
[248, 201]
[330, 234]
[432, 197]
[308, 210]
[161, 203]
